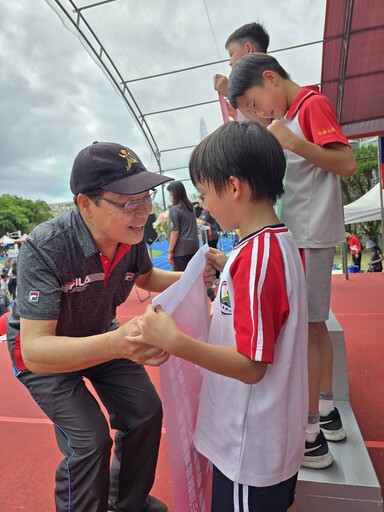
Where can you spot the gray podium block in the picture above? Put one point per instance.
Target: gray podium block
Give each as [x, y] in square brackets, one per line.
[350, 484]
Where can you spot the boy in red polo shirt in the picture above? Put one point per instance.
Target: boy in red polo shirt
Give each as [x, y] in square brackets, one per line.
[317, 154]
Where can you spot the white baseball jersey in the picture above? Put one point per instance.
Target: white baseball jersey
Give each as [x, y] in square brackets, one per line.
[255, 434]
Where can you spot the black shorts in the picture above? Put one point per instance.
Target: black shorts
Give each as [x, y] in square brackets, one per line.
[228, 496]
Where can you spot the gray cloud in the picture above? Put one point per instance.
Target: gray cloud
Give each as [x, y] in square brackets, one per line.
[54, 99]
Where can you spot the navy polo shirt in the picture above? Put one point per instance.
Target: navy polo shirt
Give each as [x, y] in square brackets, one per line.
[62, 276]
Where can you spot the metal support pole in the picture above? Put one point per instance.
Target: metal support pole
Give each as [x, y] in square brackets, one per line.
[380, 142]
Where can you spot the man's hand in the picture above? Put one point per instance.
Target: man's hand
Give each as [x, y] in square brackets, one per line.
[131, 345]
[156, 329]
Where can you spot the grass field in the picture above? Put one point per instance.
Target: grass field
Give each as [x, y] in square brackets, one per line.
[365, 258]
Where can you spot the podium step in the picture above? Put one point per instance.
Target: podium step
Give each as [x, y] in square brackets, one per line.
[350, 484]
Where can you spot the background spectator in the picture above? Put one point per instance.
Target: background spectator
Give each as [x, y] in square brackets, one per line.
[183, 235]
[354, 247]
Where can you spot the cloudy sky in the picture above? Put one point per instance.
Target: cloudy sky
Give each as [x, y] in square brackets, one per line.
[55, 99]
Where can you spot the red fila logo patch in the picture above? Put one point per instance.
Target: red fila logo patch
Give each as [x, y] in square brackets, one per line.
[33, 297]
[129, 276]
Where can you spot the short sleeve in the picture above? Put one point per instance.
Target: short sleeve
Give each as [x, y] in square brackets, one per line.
[261, 305]
[145, 264]
[38, 285]
[318, 121]
[174, 219]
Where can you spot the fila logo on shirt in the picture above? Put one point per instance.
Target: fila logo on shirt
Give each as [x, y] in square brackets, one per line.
[129, 276]
[33, 296]
[225, 303]
[81, 283]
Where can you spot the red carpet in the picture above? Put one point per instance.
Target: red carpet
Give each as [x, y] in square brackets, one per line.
[359, 307]
[28, 450]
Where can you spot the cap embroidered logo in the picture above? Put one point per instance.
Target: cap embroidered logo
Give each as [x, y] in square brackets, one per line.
[128, 157]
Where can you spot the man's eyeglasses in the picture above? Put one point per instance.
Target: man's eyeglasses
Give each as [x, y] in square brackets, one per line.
[132, 206]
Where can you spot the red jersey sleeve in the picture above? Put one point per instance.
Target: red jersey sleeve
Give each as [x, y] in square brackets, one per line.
[318, 121]
[261, 305]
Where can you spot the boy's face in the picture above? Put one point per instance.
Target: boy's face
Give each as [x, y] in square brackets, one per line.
[237, 50]
[218, 206]
[267, 101]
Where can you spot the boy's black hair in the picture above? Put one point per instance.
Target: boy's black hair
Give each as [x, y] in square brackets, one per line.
[246, 151]
[248, 71]
[254, 33]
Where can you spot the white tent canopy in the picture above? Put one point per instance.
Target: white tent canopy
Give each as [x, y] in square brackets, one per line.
[364, 209]
[6, 240]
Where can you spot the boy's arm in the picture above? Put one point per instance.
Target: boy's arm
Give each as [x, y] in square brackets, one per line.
[336, 158]
[158, 329]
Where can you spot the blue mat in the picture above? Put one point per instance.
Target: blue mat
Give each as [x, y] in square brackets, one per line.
[225, 245]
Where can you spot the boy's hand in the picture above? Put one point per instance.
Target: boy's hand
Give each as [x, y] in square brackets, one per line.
[157, 327]
[221, 84]
[209, 275]
[216, 259]
[130, 345]
[232, 112]
[283, 134]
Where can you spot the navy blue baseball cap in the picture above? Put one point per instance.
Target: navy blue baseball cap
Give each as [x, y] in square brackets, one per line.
[112, 167]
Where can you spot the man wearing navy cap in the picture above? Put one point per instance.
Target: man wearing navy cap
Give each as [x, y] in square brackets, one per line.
[73, 272]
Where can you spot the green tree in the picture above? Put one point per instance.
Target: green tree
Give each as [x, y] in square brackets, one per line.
[18, 214]
[365, 175]
[364, 178]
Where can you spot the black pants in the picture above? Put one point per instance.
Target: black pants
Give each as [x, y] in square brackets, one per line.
[275, 498]
[84, 480]
[356, 258]
[12, 283]
[180, 262]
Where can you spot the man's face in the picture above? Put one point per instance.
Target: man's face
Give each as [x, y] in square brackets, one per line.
[112, 224]
[237, 50]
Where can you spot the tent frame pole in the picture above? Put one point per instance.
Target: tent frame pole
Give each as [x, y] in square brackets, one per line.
[380, 143]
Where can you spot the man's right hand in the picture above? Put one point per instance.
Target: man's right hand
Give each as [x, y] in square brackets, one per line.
[130, 345]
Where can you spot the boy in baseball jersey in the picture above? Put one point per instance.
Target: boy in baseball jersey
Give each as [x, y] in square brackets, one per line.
[253, 404]
[317, 154]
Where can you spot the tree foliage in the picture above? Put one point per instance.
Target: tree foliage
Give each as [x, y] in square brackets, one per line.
[18, 214]
[364, 178]
[365, 175]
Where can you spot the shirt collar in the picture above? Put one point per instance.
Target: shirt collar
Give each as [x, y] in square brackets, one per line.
[303, 94]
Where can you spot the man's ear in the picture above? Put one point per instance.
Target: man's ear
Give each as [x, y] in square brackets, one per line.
[85, 205]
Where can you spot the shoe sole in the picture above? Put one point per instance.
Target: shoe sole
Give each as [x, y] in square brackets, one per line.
[320, 462]
[334, 435]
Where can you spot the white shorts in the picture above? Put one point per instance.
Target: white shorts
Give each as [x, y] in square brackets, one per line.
[318, 269]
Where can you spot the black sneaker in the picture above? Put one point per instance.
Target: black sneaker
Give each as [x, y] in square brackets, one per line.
[317, 454]
[332, 426]
[154, 505]
[151, 505]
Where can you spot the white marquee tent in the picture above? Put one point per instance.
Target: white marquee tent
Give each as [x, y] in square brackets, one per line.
[364, 209]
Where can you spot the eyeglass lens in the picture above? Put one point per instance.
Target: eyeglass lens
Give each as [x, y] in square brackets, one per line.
[134, 205]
